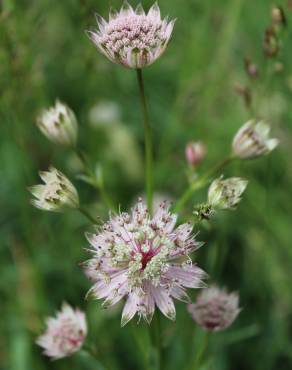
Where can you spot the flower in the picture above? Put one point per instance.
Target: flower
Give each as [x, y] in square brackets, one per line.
[215, 309]
[57, 194]
[226, 194]
[145, 260]
[59, 124]
[195, 153]
[252, 140]
[132, 38]
[65, 333]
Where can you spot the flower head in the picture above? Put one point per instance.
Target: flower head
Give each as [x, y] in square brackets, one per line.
[226, 194]
[252, 140]
[195, 153]
[65, 333]
[215, 309]
[57, 194]
[59, 124]
[131, 37]
[145, 260]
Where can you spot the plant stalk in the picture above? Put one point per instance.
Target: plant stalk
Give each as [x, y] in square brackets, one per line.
[200, 183]
[148, 142]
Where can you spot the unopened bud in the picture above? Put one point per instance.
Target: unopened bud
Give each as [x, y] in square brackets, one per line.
[271, 43]
[278, 16]
[251, 68]
[195, 153]
[59, 124]
[56, 194]
[252, 140]
[226, 194]
[245, 93]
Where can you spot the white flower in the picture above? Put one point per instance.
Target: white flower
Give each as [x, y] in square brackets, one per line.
[145, 260]
[252, 140]
[226, 194]
[57, 194]
[131, 37]
[59, 124]
[215, 309]
[64, 334]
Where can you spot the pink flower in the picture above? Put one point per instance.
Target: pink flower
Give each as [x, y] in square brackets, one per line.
[65, 333]
[144, 259]
[133, 38]
[215, 309]
[195, 153]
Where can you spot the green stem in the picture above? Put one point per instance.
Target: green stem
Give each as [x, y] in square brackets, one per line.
[154, 332]
[99, 186]
[91, 353]
[140, 345]
[200, 183]
[199, 355]
[88, 215]
[148, 141]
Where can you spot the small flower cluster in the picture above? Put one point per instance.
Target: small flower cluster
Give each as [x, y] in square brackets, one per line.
[57, 194]
[144, 259]
[226, 194]
[253, 141]
[59, 124]
[131, 37]
[215, 309]
[65, 333]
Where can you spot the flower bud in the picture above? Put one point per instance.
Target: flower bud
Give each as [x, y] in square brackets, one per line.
[271, 43]
[278, 16]
[195, 153]
[252, 140]
[245, 93]
[226, 194]
[57, 194]
[251, 68]
[215, 309]
[59, 124]
[65, 333]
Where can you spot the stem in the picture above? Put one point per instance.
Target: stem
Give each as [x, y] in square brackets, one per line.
[148, 141]
[154, 332]
[199, 355]
[200, 183]
[99, 186]
[91, 353]
[141, 347]
[88, 215]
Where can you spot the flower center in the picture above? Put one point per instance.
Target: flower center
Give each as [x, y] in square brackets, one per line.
[146, 257]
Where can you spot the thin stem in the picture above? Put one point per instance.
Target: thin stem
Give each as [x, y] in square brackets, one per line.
[88, 215]
[91, 353]
[148, 142]
[200, 183]
[141, 347]
[199, 355]
[154, 332]
[99, 186]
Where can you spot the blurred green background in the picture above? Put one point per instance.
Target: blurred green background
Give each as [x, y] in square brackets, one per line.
[45, 54]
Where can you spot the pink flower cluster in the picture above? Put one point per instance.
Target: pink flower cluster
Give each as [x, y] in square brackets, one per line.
[215, 309]
[65, 333]
[131, 37]
[145, 260]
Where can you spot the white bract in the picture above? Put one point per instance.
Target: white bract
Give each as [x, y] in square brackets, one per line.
[59, 124]
[253, 140]
[56, 194]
